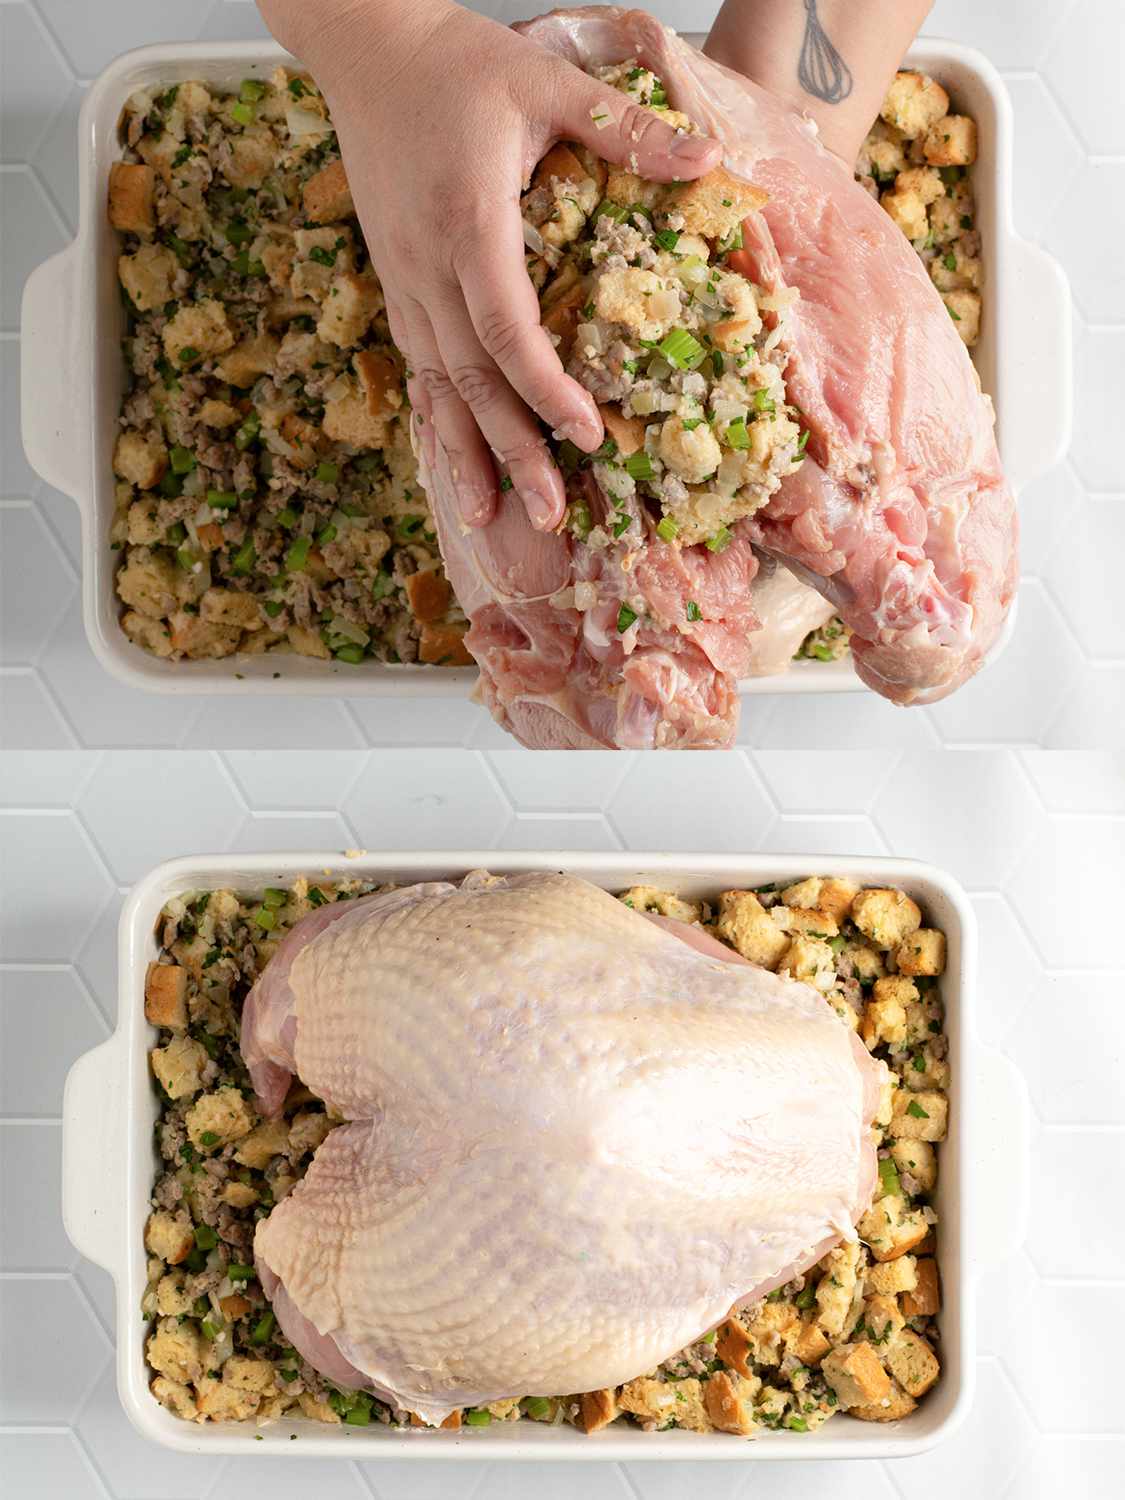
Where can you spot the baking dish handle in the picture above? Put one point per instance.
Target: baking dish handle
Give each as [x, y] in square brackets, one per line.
[93, 1129]
[54, 415]
[1039, 355]
[1002, 1157]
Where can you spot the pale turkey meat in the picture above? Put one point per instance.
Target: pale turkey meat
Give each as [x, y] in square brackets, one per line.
[574, 1138]
[632, 630]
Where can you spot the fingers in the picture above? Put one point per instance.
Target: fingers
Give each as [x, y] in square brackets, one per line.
[420, 403]
[434, 395]
[504, 310]
[619, 130]
[509, 428]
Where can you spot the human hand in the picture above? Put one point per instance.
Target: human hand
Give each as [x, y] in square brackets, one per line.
[441, 116]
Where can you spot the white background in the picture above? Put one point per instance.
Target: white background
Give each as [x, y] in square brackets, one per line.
[1060, 683]
[1037, 838]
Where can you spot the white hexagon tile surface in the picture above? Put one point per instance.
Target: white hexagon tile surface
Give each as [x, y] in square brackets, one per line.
[1061, 682]
[1037, 838]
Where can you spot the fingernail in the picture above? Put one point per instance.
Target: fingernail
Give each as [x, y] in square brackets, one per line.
[580, 430]
[691, 147]
[476, 506]
[540, 508]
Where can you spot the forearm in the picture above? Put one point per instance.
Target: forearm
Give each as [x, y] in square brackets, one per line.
[833, 59]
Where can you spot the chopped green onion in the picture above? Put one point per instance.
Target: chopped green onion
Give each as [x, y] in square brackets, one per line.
[239, 233]
[836, 943]
[238, 1272]
[570, 456]
[176, 534]
[182, 460]
[639, 465]
[622, 526]
[263, 1328]
[736, 435]
[274, 897]
[243, 560]
[251, 90]
[915, 1109]
[242, 113]
[266, 919]
[222, 499]
[763, 401]
[966, 222]
[537, 1407]
[316, 896]
[273, 607]
[208, 1138]
[803, 441]
[248, 432]
[693, 611]
[211, 1329]
[888, 1177]
[796, 1424]
[327, 473]
[478, 1416]
[182, 155]
[360, 1414]
[205, 1236]
[625, 618]
[659, 98]
[196, 1261]
[297, 88]
[297, 556]
[805, 1297]
[667, 530]
[617, 211]
[186, 559]
[682, 349]
[350, 653]
[667, 239]
[409, 527]
[384, 584]
[710, 1338]
[720, 540]
[189, 354]
[955, 316]
[326, 534]
[949, 261]
[689, 424]
[321, 256]
[181, 248]
[287, 518]
[505, 484]
[580, 521]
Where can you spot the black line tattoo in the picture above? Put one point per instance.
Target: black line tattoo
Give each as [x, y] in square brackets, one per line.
[821, 71]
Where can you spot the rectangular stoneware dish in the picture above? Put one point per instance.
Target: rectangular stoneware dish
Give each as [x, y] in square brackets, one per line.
[73, 371]
[109, 1161]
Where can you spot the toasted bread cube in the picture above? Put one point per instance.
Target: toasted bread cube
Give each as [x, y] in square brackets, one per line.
[913, 1363]
[169, 1236]
[628, 189]
[922, 1116]
[316, 1408]
[627, 432]
[923, 952]
[131, 188]
[909, 213]
[265, 1141]
[811, 961]
[351, 302]
[197, 330]
[561, 162]
[955, 271]
[252, 158]
[222, 1113]
[649, 898]
[348, 419]
[250, 358]
[714, 205]
[665, 1401]
[918, 1158]
[177, 1350]
[770, 1325]
[856, 1374]
[234, 1307]
[307, 642]
[734, 1346]
[562, 315]
[924, 1301]
[444, 645]
[380, 380]
[173, 1300]
[166, 996]
[747, 926]
[913, 103]
[890, 1228]
[428, 594]
[220, 1402]
[141, 458]
[888, 1278]
[152, 635]
[729, 1399]
[964, 309]
[892, 1408]
[920, 182]
[884, 1019]
[179, 1066]
[239, 1194]
[177, 1397]
[597, 1409]
[625, 296]
[229, 607]
[835, 1288]
[887, 917]
[218, 414]
[307, 1130]
[200, 639]
[326, 196]
[836, 897]
[951, 142]
[801, 919]
[803, 893]
[305, 439]
[147, 276]
[883, 1318]
[810, 1343]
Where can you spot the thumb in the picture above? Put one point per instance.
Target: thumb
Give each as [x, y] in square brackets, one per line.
[629, 135]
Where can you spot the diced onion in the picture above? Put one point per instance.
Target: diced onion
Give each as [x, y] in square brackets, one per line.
[349, 630]
[301, 122]
[643, 402]
[533, 239]
[589, 336]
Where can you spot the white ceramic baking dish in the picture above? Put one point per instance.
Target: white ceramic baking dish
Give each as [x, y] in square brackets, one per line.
[109, 1162]
[73, 374]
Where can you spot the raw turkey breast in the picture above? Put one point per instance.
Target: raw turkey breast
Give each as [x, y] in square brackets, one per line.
[575, 1138]
[900, 515]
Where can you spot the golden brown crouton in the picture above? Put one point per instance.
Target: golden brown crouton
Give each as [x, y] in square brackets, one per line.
[307, 642]
[734, 1346]
[810, 960]
[234, 1307]
[176, 1350]
[951, 142]
[809, 1342]
[714, 205]
[348, 419]
[316, 1408]
[913, 1363]
[729, 1400]
[218, 414]
[326, 196]
[229, 607]
[890, 1228]
[239, 1194]
[444, 645]
[856, 1374]
[925, 1298]
[913, 103]
[921, 1116]
[305, 440]
[351, 302]
[428, 594]
[884, 1020]
[143, 630]
[918, 1158]
[803, 919]
[893, 1276]
[909, 213]
[169, 1235]
[250, 161]
[248, 359]
[666, 1401]
[627, 432]
[178, 1398]
[834, 1289]
[883, 1318]
[597, 1409]
[179, 1066]
[166, 996]
[747, 926]
[202, 640]
[131, 188]
[885, 916]
[380, 380]
[921, 182]
[197, 330]
[147, 276]
[626, 188]
[561, 162]
[651, 898]
[222, 1116]
[141, 458]
[896, 1405]
[265, 1141]
[964, 309]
